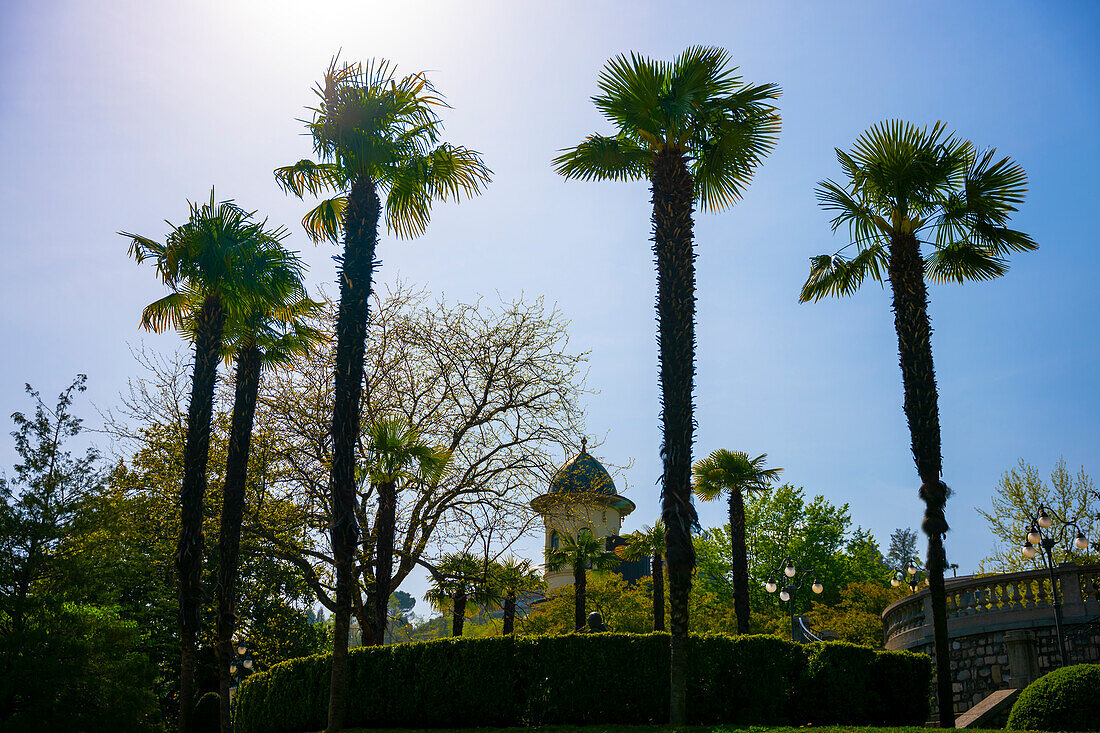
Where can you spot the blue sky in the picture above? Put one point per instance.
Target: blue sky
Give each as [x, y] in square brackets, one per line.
[113, 115]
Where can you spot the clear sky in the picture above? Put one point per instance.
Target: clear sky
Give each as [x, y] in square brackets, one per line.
[113, 115]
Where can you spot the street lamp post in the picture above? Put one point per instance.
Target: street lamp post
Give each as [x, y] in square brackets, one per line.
[790, 587]
[914, 572]
[241, 664]
[1045, 519]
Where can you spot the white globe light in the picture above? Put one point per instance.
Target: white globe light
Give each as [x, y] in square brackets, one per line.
[1044, 520]
[241, 649]
[248, 664]
[895, 582]
[817, 587]
[1028, 549]
[784, 595]
[912, 569]
[1033, 537]
[232, 669]
[1082, 542]
[789, 571]
[770, 586]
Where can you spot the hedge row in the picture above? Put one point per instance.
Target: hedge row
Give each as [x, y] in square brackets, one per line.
[592, 679]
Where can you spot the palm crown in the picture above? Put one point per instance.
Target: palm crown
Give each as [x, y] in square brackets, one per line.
[695, 105]
[459, 574]
[371, 123]
[725, 470]
[929, 183]
[644, 543]
[581, 550]
[397, 453]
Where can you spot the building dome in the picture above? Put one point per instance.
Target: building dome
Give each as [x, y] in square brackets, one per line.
[583, 475]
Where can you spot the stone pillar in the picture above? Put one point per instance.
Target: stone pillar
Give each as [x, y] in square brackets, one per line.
[1023, 658]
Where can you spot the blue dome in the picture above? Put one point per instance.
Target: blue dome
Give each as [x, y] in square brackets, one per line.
[582, 475]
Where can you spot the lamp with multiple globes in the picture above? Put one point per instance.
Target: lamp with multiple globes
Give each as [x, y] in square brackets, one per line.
[786, 593]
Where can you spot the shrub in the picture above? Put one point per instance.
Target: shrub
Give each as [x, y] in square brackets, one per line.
[902, 688]
[573, 679]
[208, 714]
[1065, 699]
[836, 683]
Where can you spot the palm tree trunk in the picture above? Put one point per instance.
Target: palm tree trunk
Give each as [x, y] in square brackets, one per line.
[673, 204]
[357, 268]
[509, 613]
[658, 592]
[383, 551]
[459, 619]
[210, 323]
[740, 561]
[918, 374]
[229, 533]
[580, 589]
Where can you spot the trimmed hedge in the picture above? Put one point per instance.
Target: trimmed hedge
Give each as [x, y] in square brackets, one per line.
[590, 679]
[1065, 699]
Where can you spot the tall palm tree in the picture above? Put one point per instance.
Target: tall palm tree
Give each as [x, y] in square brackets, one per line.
[909, 187]
[265, 337]
[219, 264]
[649, 542]
[511, 579]
[696, 132]
[376, 135]
[580, 553]
[734, 473]
[396, 454]
[459, 583]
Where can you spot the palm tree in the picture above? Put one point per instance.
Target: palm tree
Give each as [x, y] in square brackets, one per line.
[580, 553]
[460, 582]
[510, 580]
[735, 473]
[265, 337]
[696, 132]
[375, 135]
[396, 454]
[219, 265]
[649, 542]
[909, 186]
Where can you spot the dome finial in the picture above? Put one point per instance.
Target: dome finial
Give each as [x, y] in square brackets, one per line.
[584, 444]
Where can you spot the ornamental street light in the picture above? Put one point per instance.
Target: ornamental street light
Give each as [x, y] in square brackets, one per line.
[790, 587]
[242, 663]
[1057, 531]
[913, 574]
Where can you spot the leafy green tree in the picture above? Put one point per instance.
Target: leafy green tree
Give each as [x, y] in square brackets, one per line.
[460, 584]
[695, 131]
[649, 543]
[909, 186]
[734, 473]
[376, 135]
[625, 607]
[1015, 501]
[396, 454]
[857, 616]
[265, 336]
[903, 548]
[512, 579]
[580, 553]
[219, 265]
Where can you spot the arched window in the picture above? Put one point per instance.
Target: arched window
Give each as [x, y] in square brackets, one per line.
[554, 540]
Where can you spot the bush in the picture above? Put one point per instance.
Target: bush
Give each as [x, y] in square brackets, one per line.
[574, 679]
[837, 682]
[902, 688]
[208, 714]
[1065, 699]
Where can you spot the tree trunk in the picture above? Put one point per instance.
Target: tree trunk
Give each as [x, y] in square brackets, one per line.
[580, 589]
[673, 204]
[658, 592]
[209, 325]
[357, 268]
[509, 612]
[383, 550]
[459, 619]
[918, 374]
[233, 498]
[740, 563]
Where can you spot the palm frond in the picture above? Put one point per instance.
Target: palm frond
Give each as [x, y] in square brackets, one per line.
[306, 176]
[962, 261]
[601, 158]
[833, 275]
[325, 221]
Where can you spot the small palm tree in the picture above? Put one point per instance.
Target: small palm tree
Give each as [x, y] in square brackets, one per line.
[734, 473]
[396, 455]
[220, 265]
[909, 187]
[580, 553]
[459, 584]
[696, 132]
[264, 338]
[376, 135]
[511, 579]
[649, 542]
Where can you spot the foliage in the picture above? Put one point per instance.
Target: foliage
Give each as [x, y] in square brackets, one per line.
[1064, 699]
[535, 681]
[625, 608]
[1016, 499]
[206, 714]
[847, 683]
[903, 549]
[857, 617]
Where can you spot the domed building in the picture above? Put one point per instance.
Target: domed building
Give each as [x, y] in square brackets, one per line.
[582, 495]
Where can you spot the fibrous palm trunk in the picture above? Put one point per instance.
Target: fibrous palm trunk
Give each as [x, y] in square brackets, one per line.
[459, 618]
[580, 590]
[509, 612]
[357, 268]
[383, 565]
[740, 561]
[210, 323]
[673, 204]
[657, 565]
[229, 531]
[906, 268]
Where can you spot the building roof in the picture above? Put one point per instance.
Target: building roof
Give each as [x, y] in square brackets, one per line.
[583, 475]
